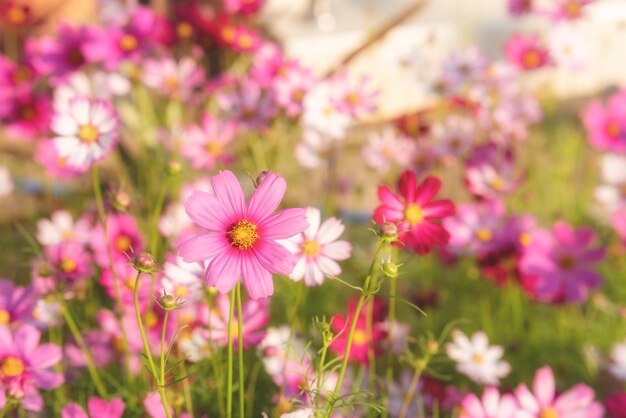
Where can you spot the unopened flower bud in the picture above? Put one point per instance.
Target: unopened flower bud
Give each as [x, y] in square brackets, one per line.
[145, 262]
[168, 302]
[173, 168]
[262, 176]
[390, 269]
[389, 231]
[432, 346]
[122, 199]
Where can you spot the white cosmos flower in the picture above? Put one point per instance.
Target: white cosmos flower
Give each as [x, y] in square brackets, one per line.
[61, 227]
[618, 361]
[317, 248]
[322, 115]
[99, 85]
[476, 359]
[182, 279]
[86, 131]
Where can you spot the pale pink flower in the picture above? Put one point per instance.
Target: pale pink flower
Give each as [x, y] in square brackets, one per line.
[491, 405]
[61, 227]
[177, 80]
[383, 150]
[96, 408]
[317, 248]
[241, 239]
[204, 144]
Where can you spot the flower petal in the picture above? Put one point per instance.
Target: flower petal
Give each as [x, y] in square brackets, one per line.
[284, 224]
[257, 279]
[228, 191]
[266, 197]
[203, 247]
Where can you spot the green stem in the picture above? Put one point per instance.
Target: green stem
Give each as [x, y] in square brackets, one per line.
[240, 348]
[186, 389]
[154, 227]
[408, 397]
[229, 388]
[319, 375]
[91, 368]
[371, 357]
[365, 293]
[393, 290]
[162, 351]
[146, 348]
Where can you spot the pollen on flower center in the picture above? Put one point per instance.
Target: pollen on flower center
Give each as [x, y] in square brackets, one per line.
[128, 43]
[613, 129]
[5, 318]
[68, 265]
[567, 262]
[497, 183]
[360, 337]
[310, 248]
[123, 243]
[214, 148]
[88, 133]
[531, 59]
[16, 15]
[484, 234]
[413, 214]
[573, 8]
[478, 359]
[549, 412]
[11, 367]
[243, 234]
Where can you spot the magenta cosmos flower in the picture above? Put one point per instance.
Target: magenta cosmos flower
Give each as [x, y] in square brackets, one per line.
[26, 366]
[561, 261]
[96, 408]
[415, 212]
[542, 402]
[606, 125]
[240, 241]
[526, 52]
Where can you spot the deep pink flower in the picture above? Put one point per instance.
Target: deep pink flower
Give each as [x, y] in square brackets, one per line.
[205, 143]
[16, 81]
[124, 239]
[543, 401]
[616, 405]
[519, 7]
[58, 56]
[25, 366]
[246, 102]
[70, 260]
[125, 274]
[561, 261]
[606, 125]
[16, 303]
[526, 52]
[241, 239]
[96, 408]
[30, 118]
[490, 172]
[415, 212]
[48, 156]
[567, 9]
[254, 321]
[243, 7]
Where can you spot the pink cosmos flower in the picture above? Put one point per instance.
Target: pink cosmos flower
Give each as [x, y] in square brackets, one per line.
[606, 125]
[290, 87]
[476, 227]
[87, 132]
[16, 81]
[48, 157]
[60, 55]
[353, 96]
[61, 227]
[383, 150]
[543, 402]
[243, 7]
[177, 80]
[454, 137]
[16, 303]
[317, 248]
[95, 85]
[96, 408]
[125, 275]
[255, 318]
[25, 366]
[101, 346]
[182, 280]
[124, 239]
[491, 405]
[519, 7]
[239, 38]
[490, 172]
[204, 144]
[246, 102]
[567, 9]
[154, 407]
[561, 261]
[616, 405]
[415, 212]
[70, 260]
[30, 118]
[241, 239]
[526, 52]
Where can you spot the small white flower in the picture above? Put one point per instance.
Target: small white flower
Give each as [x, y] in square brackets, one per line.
[86, 132]
[6, 182]
[618, 361]
[99, 85]
[569, 47]
[322, 115]
[183, 280]
[317, 248]
[61, 227]
[197, 346]
[476, 359]
[454, 137]
[171, 78]
[387, 148]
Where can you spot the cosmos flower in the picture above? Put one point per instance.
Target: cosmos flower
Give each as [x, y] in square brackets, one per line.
[17, 303]
[567, 9]
[491, 405]
[526, 52]
[26, 366]
[61, 227]
[241, 239]
[290, 87]
[617, 366]
[54, 165]
[476, 227]
[386, 149]
[182, 279]
[415, 212]
[16, 81]
[95, 85]
[569, 47]
[317, 248]
[124, 239]
[204, 144]
[96, 408]
[70, 260]
[519, 7]
[490, 172]
[254, 320]
[562, 261]
[323, 115]
[177, 80]
[87, 132]
[30, 117]
[606, 125]
[543, 401]
[616, 405]
[247, 102]
[453, 137]
[120, 282]
[353, 95]
[476, 359]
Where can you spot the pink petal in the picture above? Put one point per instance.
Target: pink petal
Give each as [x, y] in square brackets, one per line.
[103, 409]
[266, 197]
[330, 230]
[44, 356]
[47, 380]
[543, 386]
[439, 209]
[338, 250]
[203, 247]
[284, 224]
[580, 396]
[526, 399]
[274, 257]
[72, 410]
[228, 191]
[314, 219]
[406, 185]
[389, 198]
[26, 339]
[224, 270]
[472, 406]
[427, 190]
[257, 279]
[208, 212]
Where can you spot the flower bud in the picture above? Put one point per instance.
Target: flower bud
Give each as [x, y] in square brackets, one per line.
[122, 199]
[432, 347]
[390, 269]
[262, 176]
[145, 262]
[173, 168]
[168, 302]
[389, 231]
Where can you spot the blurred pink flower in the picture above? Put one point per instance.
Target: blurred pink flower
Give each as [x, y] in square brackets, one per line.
[96, 408]
[124, 239]
[175, 79]
[606, 125]
[204, 144]
[491, 405]
[241, 242]
[16, 303]
[490, 172]
[60, 55]
[526, 52]
[70, 260]
[254, 320]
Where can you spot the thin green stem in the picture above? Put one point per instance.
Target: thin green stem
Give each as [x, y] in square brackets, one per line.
[186, 389]
[163, 346]
[393, 290]
[229, 388]
[369, 329]
[154, 225]
[91, 368]
[146, 348]
[320, 375]
[242, 402]
[408, 397]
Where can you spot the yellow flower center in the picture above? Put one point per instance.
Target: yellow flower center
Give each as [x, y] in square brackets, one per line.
[119, 345]
[123, 243]
[497, 183]
[16, 15]
[27, 112]
[88, 134]
[310, 248]
[129, 283]
[531, 59]
[549, 412]
[228, 33]
[525, 239]
[68, 265]
[353, 98]
[360, 337]
[5, 318]
[567, 262]
[613, 129]
[245, 41]
[573, 9]
[172, 84]
[185, 30]
[413, 214]
[478, 359]
[181, 291]
[243, 234]
[75, 56]
[214, 148]
[484, 234]
[128, 43]
[11, 367]
[150, 319]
